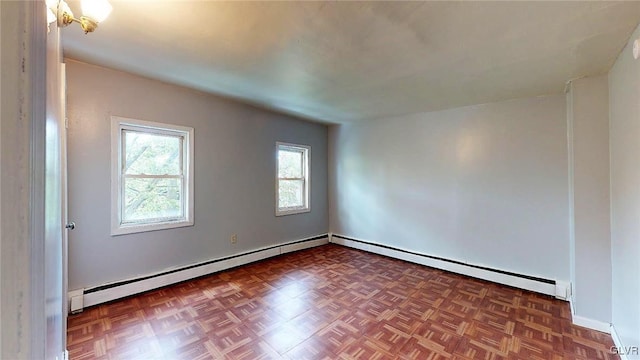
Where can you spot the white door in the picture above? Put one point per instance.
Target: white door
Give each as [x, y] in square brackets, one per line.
[55, 202]
[69, 224]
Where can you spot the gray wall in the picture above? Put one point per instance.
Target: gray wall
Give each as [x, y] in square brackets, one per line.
[589, 125]
[624, 115]
[234, 176]
[484, 184]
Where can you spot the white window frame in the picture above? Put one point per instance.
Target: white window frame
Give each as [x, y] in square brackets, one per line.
[306, 151]
[118, 125]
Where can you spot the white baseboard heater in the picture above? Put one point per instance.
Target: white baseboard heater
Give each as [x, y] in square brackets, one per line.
[80, 298]
[559, 289]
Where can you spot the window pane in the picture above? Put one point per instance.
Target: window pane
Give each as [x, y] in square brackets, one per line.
[290, 164]
[291, 193]
[152, 199]
[152, 154]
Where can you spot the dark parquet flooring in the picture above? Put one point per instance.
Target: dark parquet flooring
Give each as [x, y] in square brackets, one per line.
[333, 302]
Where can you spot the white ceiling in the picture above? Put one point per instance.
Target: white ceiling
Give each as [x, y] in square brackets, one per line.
[349, 61]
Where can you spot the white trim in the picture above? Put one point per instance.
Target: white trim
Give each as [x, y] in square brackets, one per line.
[573, 309]
[505, 279]
[563, 290]
[191, 272]
[74, 301]
[306, 157]
[618, 342]
[117, 125]
[287, 248]
[587, 322]
[591, 324]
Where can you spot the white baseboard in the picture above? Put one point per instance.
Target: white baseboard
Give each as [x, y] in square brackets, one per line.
[287, 248]
[154, 281]
[573, 310]
[617, 342]
[588, 322]
[505, 279]
[591, 324]
[75, 301]
[563, 290]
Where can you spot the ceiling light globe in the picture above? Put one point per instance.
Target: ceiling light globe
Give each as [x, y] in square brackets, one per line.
[97, 10]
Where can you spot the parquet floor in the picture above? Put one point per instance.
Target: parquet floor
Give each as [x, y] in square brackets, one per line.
[333, 302]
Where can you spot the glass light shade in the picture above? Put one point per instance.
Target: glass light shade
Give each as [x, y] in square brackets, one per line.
[97, 10]
[52, 4]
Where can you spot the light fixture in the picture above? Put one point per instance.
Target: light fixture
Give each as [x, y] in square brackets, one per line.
[51, 14]
[93, 12]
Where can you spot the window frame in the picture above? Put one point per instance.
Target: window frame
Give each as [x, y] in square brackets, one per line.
[306, 151]
[118, 126]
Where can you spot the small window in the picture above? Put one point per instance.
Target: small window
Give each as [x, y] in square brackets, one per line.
[292, 179]
[152, 176]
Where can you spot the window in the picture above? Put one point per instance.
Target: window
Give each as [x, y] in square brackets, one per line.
[292, 179]
[151, 176]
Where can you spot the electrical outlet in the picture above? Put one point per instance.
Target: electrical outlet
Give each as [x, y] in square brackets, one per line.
[234, 238]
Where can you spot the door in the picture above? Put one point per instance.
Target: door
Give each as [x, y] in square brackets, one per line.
[67, 223]
[55, 202]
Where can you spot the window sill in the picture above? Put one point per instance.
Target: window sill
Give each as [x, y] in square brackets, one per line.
[135, 228]
[292, 211]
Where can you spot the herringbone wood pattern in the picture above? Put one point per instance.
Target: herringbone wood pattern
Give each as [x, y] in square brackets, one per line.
[333, 302]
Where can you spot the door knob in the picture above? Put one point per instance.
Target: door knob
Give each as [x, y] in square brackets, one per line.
[71, 225]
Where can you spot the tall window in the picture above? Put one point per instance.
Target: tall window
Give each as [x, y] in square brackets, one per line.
[292, 181]
[151, 180]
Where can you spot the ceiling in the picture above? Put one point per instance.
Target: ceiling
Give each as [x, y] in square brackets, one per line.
[340, 62]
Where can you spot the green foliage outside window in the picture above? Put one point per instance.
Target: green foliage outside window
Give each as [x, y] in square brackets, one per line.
[153, 179]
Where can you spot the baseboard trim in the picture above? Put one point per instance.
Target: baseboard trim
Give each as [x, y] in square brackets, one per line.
[588, 322]
[571, 307]
[112, 291]
[591, 324]
[543, 286]
[618, 344]
[625, 352]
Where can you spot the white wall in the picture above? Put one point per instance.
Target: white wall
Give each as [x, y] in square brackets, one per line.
[624, 113]
[589, 126]
[234, 176]
[484, 184]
